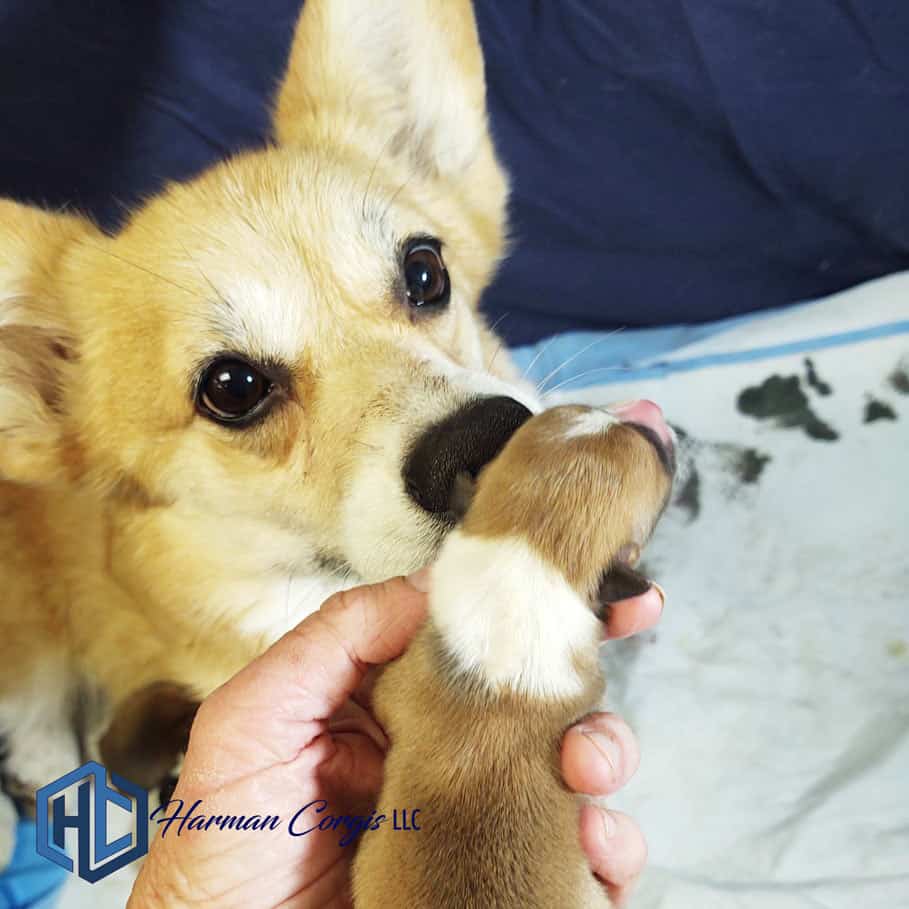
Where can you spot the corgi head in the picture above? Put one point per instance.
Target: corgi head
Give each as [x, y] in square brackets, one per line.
[549, 540]
[251, 368]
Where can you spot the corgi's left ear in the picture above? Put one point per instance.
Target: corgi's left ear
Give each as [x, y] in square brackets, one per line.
[37, 347]
[406, 72]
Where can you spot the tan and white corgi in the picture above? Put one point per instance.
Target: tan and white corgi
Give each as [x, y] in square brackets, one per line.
[270, 385]
[506, 662]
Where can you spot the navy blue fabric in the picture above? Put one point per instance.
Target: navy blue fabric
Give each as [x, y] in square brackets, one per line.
[673, 160]
[102, 101]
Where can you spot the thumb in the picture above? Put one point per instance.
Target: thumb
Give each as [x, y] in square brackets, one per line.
[282, 700]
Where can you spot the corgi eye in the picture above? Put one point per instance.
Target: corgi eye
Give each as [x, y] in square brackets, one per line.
[425, 276]
[232, 391]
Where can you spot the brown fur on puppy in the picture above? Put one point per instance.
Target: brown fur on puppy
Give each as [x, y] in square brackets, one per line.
[477, 707]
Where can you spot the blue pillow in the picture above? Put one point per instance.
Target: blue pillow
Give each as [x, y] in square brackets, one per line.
[673, 160]
[30, 882]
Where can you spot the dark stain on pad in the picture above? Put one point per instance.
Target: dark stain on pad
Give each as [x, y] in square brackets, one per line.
[780, 398]
[899, 378]
[689, 496]
[816, 382]
[750, 465]
[878, 410]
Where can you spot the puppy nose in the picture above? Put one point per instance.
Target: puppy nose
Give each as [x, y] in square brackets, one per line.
[648, 414]
[462, 444]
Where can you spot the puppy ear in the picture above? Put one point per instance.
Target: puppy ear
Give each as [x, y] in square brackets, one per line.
[406, 72]
[620, 582]
[36, 346]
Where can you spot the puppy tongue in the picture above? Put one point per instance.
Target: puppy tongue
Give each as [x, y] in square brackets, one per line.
[645, 413]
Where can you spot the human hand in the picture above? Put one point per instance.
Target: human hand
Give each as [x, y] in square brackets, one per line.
[294, 727]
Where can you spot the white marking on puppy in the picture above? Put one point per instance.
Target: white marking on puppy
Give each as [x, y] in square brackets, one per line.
[504, 613]
[590, 423]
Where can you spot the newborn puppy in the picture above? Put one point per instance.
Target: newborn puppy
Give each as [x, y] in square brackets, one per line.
[506, 661]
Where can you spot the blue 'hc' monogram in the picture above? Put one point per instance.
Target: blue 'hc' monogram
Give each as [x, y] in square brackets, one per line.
[97, 857]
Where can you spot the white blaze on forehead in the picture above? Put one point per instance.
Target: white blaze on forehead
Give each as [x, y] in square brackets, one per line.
[272, 286]
[590, 423]
[264, 317]
[506, 615]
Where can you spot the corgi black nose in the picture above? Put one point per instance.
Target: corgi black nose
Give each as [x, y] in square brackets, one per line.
[457, 449]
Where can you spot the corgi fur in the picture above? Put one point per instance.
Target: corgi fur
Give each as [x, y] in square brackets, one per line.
[505, 663]
[143, 543]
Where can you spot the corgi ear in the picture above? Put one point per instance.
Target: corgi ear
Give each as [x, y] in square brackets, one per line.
[406, 73]
[36, 345]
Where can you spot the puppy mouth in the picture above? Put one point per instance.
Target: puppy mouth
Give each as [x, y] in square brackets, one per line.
[646, 418]
[665, 452]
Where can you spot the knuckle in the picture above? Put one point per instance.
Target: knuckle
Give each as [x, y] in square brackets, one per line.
[352, 599]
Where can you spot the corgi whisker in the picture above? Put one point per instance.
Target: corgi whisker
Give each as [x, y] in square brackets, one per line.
[372, 174]
[395, 194]
[541, 387]
[537, 356]
[148, 271]
[498, 349]
[586, 372]
[218, 294]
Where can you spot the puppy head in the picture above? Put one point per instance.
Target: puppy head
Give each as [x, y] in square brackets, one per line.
[584, 487]
[250, 365]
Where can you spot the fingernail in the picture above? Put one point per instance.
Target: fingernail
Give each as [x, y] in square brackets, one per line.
[619, 406]
[661, 592]
[607, 747]
[420, 580]
[609, 824]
